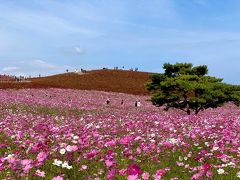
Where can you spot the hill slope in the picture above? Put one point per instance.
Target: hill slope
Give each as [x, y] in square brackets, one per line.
[131, 82]
[6, 78]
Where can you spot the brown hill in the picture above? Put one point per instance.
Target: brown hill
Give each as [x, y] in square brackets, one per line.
[131, 82]
[6, 78]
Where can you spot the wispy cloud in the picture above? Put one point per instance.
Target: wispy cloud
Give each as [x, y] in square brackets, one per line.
[42, 22]
[34, 67]
[75, 50]
[43, 64]
[78, 50]
[10, 69]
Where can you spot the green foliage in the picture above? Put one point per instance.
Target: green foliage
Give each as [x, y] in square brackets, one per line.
[190, 89]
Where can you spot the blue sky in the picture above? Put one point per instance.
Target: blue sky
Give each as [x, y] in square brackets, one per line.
[49, 36]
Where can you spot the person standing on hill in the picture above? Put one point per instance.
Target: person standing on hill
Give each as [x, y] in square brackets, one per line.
[108, 101]
[122, 102]
[136, 103]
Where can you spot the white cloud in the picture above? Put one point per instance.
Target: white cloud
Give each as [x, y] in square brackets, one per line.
[43, 22]
[40, 61]
[43, 64]
[34, 68]
[78, 50]
[10, 69]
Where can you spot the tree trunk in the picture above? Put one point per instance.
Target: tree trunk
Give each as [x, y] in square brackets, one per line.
[188, 109]
[166, 108]
[197, 110]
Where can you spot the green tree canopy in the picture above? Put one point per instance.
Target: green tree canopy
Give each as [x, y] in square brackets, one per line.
[190, 89]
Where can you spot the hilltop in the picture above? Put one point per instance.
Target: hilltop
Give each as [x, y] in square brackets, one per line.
[6, 78]
[131, 82]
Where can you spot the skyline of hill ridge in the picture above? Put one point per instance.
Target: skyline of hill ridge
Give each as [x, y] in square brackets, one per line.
[122, 81]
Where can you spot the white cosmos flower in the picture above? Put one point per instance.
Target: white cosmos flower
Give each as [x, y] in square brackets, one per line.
[215, 148]
[238, 174]
[152, 140]
[75, 142]
[189, 155]
[9, 156]
[68, 148]
[57, 162]
[75, 137]
[65, 164]
[231, 164]
[180, 158]
[62, 151]
[173, 141]
[196, 144]
[63, 144]
[152, 135]
[220, 171]
[69, 167]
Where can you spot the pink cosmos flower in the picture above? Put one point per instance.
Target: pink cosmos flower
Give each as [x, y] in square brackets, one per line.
[41, 156]
[219, 155]
[125, 140]
[92, 153]
[132, 177]
[180, 163]
[57, 178]
[74, 148]
[209, 174]
[27, 168]
[167, 144]
[26, 162]
[160, 172]
[3, 145]
[206, 166]
[11, 160]
[145, 176]
[203, 152]
[157, 177]
[133, 169]
[109, 163]
[110, 143]
[167, 169]
[40, 173]
[122, 172]
[111, 174]
[198, 157]
[84, 167]
[196, 176]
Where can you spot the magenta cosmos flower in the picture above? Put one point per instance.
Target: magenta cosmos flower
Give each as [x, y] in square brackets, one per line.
[133, 169]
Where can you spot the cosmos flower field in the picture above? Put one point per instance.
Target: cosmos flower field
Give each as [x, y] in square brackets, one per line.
[72, 134]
